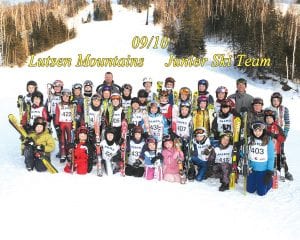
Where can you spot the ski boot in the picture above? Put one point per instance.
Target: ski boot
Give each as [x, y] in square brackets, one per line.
[289, 176]
[224, 187]
[63, 159]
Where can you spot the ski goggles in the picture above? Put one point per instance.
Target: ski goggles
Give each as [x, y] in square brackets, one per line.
[96, 98]
[269, 112]
[115, 97]
[127, 86]
[77, 86]
[200, 131]
[66, 94]
[258, 125]
[226, 133]
[258, 101]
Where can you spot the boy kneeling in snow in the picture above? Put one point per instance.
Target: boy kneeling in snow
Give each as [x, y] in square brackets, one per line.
[38, 144]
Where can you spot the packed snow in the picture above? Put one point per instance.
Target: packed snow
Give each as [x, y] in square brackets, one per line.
[63, 206]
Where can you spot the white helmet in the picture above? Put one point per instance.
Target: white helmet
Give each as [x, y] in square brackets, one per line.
[147, 79]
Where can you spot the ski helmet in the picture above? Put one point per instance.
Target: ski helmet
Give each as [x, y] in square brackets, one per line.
[88, 83]
[185, 91]
[227, 134]
[105, 88]
[115, 96]
[127, 86]
[167, 138]
[39, 95]
[276, 95]
[269, 112]
[221, 89]
[231, 101]
[58, 83]
[151, 139]
[202, 98]
[226, 103]
[137, 129]
[200, 131]
[142, 93]
[66, 92]
[96, 96]
[31, 83]
[77, 86]
[203, 82]
[258, 100]
[163, 93]
[39, 121]
[186, 104]
[169, 80]
[147, 79]
[82, 129]
[135, 100]
[111, 130]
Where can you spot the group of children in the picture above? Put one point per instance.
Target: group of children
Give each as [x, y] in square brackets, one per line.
[165, 134]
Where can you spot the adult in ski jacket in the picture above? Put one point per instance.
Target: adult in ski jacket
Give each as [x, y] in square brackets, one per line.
[242, 99]
[108, 81]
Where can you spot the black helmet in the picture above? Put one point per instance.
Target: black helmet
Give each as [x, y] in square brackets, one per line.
[39, 121]
[127, 86]
[39, 95]
[142, 93]
[269, 112]
[258, 100]
[31, 83]
[77, 86]
[203, 82]
[167, 138]
[88, 83]
[276, 95]
[135, 100]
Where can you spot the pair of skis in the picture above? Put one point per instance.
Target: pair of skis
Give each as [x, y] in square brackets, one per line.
[14, 122]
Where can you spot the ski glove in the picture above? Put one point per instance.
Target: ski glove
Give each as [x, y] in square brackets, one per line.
[273, 135]
[137, 163]
[268, 177]
[29, 141]
[58, 130]
[156, 158]
[40, 148]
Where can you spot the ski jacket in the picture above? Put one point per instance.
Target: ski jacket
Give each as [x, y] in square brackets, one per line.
[199, 147]
[170, 160]
[222, 123]
[108, 152]
[242, 101]
[135, 150]
[46, 139]
[33, 112]
[158, 125]
[276, 132]
[182, 127]
[201, 119]
[51, 103]
[261, 157]
[282, 118]
[223, 155]
[209, 97]
[147, 156]
[166, 110]
[63, 113]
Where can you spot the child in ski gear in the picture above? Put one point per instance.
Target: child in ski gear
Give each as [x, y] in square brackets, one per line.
[147, 83]
[169, 86]
[152, 159]
[63, 122]
[78, 99]
[171, 157]
[82, 152]
[261, 160]
[277, 134]
[126, 97]
[110, 151]
[38, 145]
[143, 96]
[242, 99]
[256, 113]
[201, 152]
[283, 120]
[202, 91]
[221, 95]
[165, 107]
[137, 117]
[88, 88]
[201, 115]
[31, 87]
[158, 124]
[185, 95]
[222, 157]
[135, 166]
[115, 114]
[224, 120]
[105, 95]
[34, 109]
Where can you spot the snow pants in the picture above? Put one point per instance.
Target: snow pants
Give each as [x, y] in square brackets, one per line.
[134, 171]
[223, 170]
[32, 160]
[255, 182]
[202, 167]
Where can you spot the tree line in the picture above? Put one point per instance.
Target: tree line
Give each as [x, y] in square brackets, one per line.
[29, 28]
[253, 27]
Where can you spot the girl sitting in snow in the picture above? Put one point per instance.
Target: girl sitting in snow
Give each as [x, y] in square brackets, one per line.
[171, 158]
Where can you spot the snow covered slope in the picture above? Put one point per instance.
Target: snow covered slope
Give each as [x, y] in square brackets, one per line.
[62, 206]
